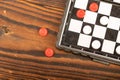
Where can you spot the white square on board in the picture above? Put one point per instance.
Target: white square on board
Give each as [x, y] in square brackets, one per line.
[99, 31]
[105, 8]
[82, 4]
[75, 25]
[117, 1]
[84, 40]
[114, 23]
[118, 37]
[108, 46]
[90, 17]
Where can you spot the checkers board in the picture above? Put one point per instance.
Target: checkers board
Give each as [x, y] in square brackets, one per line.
[92, 27]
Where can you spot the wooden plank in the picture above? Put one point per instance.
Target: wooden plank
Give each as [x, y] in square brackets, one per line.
[22, 49]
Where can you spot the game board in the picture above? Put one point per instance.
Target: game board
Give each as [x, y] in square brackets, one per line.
[92, 27]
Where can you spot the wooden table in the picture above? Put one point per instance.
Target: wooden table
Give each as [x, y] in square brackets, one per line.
[22, 48]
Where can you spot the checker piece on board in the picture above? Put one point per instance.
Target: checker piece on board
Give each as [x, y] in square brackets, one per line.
[92, 27]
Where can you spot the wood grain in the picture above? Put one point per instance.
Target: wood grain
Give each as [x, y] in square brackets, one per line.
[22, 49]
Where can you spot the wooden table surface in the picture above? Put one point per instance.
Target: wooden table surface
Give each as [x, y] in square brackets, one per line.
[22, 49]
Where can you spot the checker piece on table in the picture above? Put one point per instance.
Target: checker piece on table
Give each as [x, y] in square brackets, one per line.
[92, 27]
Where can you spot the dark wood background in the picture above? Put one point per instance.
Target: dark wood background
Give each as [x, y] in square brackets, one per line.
[22, 49]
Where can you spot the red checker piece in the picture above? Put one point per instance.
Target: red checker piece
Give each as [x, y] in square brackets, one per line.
[80, 13]
[43, 32]
[49, 52]
[93, 7]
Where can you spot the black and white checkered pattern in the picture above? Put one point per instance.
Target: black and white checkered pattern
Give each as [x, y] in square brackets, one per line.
[99, 31]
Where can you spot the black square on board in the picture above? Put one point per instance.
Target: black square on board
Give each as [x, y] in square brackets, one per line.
[111, 34]
[92, 1]
[115, 52]
[74, 16]
[99, 16]
[71, 38]
[101, 41]
[87, 24]
[115, 11]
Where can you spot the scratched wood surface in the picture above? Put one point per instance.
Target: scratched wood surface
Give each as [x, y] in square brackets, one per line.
[22, 49]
